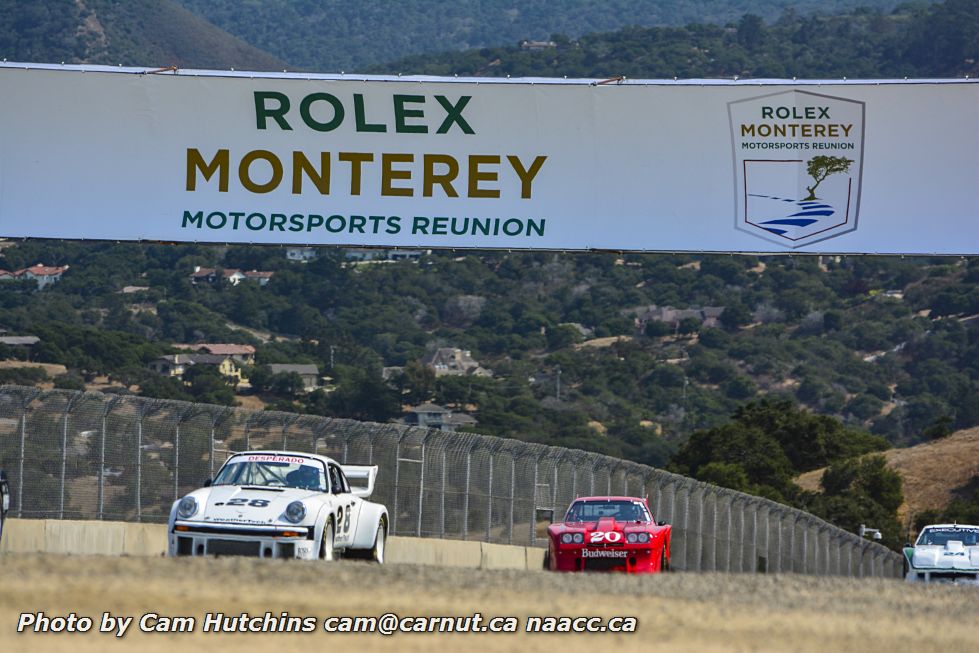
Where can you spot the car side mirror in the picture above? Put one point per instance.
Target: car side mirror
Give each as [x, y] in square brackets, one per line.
[207, 483]
[908, 545]
[661, 523]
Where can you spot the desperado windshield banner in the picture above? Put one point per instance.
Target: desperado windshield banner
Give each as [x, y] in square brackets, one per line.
[882, 166]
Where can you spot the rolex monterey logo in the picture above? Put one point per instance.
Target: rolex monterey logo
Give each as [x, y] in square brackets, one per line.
[798, 158]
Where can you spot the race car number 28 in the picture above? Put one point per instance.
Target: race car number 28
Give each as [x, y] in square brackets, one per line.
[597, 537]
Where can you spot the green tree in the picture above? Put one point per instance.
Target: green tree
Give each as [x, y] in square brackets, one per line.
[417, 383]
[208, 386]
[862, 491]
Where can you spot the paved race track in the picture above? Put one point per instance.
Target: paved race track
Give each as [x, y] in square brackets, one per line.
[675, 612]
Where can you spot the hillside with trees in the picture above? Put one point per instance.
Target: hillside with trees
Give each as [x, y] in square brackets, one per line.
[334, 35]
[153, 33]
[937, 40]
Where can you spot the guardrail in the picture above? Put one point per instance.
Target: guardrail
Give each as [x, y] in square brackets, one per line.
[75, 455]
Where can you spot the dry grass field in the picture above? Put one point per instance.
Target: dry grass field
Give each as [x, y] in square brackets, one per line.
[676, 612]
[930, 472]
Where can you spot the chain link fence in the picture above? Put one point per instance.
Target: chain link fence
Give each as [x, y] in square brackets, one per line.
[75, 455]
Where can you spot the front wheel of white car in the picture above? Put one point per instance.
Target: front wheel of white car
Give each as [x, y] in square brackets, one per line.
[327, 552]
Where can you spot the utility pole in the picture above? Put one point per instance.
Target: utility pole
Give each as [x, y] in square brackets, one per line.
[558, 394]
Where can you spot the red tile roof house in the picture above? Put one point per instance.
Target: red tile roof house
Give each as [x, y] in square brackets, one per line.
[43, 275]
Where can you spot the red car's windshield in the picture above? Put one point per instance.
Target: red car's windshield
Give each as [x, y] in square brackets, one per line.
[620, 510]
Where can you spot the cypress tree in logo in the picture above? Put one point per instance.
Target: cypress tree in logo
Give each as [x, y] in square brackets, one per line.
[820, 167]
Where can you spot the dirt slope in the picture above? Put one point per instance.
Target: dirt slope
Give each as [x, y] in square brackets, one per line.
[930, 472]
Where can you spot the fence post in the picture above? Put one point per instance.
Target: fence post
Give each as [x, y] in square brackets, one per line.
[533, 508]
[20, 468]
[421, 488]
[574, 479]
[465, 502]
[185, 414]
[397, 471]
[101, 495]
[774, 551]
[442, 498]
[248, 432]
[489, 501]
[513, 474]
[139, 466]
[214, 427]
[64, 453]
[805, 549]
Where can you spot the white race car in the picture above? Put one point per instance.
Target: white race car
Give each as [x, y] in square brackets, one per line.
[276, 504]
[944, 552]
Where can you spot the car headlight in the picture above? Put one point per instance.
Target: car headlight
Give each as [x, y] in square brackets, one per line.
[566, 538]
[579, 538]
[187, 508]
[632, 538]
[642, 538]
[295, 512]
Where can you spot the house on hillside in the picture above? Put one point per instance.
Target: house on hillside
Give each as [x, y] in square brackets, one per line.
[244, 354]
[433, 416]
[176, 365]
[537, 45]
[301, 254]
[233, 276]
[42, 275]
[377, 254]
[454, 362]
[21, 343]
[258, 276]
[310, 374]
[708, 316]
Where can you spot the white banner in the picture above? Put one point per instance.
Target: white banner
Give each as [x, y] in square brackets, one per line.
[716, 166]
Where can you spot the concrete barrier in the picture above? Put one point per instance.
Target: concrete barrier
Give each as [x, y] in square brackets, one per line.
[71, 537]
[440, 553]
[23, 535]
[83, 537]
[502, 556]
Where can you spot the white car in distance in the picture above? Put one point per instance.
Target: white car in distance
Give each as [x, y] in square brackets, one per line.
[944, 552]
[280, 504]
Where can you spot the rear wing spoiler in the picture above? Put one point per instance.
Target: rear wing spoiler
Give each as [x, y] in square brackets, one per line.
[361, 478]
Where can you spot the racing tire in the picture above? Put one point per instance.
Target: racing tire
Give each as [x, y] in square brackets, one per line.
[327, 552]
[380, 543]
[547, 560]
[377, 551]
[664, 563]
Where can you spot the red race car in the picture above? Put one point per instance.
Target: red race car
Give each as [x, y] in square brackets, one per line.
[609, 534]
